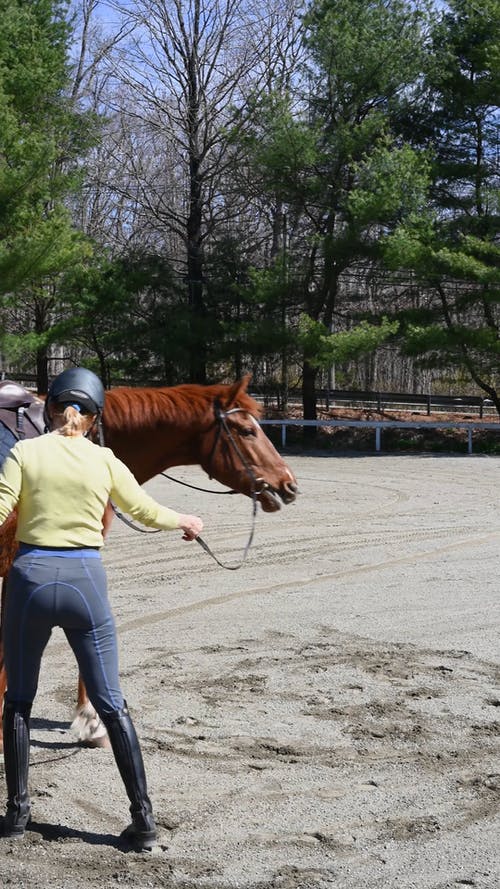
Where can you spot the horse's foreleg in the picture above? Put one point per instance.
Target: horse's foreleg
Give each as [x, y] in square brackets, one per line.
[87, 725]
[3, 672]
[8, 549]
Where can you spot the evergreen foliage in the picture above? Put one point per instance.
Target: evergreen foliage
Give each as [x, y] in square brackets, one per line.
[41, 138]
[454, 246]
[351, 204]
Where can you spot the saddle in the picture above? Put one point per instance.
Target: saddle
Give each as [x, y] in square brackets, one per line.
[20, 411]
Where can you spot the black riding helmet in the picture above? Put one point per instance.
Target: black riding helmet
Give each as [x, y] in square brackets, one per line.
[76, 385]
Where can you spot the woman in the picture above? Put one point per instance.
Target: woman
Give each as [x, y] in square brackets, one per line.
[60, 484]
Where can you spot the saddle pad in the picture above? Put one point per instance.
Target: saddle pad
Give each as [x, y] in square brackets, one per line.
[7, 441]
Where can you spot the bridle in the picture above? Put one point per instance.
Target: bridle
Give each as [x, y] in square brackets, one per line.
[222, 427]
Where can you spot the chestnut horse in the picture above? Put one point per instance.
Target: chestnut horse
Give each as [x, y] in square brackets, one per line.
[151, 430]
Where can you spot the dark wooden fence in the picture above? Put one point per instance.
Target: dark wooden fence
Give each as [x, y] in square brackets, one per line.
[329, 398]
[381, 400]
[357, 398]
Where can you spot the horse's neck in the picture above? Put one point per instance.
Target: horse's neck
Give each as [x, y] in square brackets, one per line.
[147, 453]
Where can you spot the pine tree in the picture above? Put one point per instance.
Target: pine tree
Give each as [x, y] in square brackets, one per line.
[41, 139]
[454, 246]
[322, 147]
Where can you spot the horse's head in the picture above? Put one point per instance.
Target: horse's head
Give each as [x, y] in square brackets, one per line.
[216, 427]
[239, 454]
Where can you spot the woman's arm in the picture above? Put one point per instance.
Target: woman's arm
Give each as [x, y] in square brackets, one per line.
[128, 495]
[10, 484]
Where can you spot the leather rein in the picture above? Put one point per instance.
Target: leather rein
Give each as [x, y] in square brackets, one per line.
[222, 426]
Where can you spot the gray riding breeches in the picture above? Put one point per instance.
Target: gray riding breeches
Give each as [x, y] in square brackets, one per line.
[49, 588]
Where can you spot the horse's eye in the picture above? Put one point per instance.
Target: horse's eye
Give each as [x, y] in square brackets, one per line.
[246, 431]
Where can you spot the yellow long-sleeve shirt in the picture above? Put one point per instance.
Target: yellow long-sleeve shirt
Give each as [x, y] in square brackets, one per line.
[61, 486]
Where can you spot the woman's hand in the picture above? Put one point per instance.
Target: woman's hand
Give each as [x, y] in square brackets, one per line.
[192, 525]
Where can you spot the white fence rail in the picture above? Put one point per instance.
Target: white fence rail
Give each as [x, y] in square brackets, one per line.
[380, 425]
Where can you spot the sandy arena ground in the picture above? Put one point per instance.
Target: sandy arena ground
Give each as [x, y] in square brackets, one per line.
[327, 716]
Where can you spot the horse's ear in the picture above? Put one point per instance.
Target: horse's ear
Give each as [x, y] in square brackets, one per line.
[236, 390]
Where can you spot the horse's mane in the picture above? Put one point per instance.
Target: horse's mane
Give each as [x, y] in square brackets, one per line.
[148, 407]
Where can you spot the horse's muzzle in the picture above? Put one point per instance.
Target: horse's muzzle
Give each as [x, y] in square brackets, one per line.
[270, 499]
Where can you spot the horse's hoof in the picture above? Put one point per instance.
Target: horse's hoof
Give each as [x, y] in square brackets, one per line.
[103, 742]
[89, 729]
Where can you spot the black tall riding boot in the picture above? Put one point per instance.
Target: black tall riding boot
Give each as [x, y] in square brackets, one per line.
[141, 833]
[16, 752]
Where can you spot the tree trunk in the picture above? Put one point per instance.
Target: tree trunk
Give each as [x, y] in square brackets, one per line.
[198, 356]
[42, 374]
[42, 359]
[198, 352]
[309, 375]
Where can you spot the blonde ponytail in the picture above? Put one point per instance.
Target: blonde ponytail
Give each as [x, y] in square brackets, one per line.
[73, 422]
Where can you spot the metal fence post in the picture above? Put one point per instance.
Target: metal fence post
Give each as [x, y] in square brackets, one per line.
[382, 424]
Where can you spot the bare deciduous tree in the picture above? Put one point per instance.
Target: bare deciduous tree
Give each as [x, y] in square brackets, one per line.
[181, 81]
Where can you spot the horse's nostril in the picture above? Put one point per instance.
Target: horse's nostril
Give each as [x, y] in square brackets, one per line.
[289, 492]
